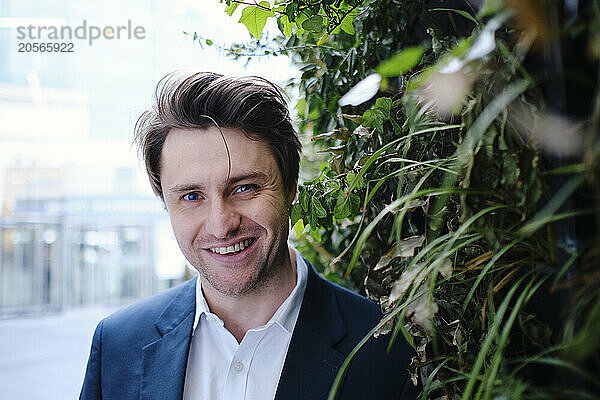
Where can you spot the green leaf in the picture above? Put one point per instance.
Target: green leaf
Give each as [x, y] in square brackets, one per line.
[314, 232]
[291, 10]
[296, 213]
[230, 9]
[315, 107]
[459, 12]
[314, 24]
[299, 21]
[323, 40]
[317, 208]
[299, 228]
[385, 105]
[304, 200]
[342, 206]
[285, 25]
[568, 169]
[347, 23]
[586, 343]
[490, 7]
[546, 214]
[466, 151]
[255, 18]
[375, 117]
[351, 178]
[355, 203]
[301, 108]
[401, 62]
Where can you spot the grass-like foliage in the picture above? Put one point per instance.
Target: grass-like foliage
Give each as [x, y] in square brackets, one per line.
[462, 189]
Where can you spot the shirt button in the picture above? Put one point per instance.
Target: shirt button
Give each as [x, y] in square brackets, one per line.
[238, 366]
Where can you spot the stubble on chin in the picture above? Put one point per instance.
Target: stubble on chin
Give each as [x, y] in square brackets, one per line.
[229, 286]
[263, 277]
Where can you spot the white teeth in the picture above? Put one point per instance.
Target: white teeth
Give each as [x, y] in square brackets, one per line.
[232, 249]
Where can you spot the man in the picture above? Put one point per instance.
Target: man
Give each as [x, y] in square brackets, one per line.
[258, 322]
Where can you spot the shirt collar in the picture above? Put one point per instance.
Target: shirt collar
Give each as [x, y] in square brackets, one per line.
[287, 313]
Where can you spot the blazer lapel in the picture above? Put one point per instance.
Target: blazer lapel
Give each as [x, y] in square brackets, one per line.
[312, 361]
[164, 361]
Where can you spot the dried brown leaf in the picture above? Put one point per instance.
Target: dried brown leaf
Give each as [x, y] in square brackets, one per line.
[406, 248]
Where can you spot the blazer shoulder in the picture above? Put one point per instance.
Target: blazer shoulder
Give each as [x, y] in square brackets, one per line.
[374, 372]
[146, 312]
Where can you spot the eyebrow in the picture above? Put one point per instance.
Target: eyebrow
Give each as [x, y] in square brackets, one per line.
[253, 175]
[185, 188]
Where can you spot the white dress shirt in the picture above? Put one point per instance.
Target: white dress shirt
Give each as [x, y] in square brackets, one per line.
[219, 368]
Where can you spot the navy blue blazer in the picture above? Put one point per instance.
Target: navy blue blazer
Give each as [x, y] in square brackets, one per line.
[141, 351]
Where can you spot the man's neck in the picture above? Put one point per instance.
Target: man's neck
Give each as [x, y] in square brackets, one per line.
[253, 309]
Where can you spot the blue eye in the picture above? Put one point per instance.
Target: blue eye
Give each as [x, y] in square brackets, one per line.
[191, 196]
[245, 188]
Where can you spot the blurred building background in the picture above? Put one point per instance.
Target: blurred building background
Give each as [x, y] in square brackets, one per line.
[81, 233]
[82, 250]
[79, 225]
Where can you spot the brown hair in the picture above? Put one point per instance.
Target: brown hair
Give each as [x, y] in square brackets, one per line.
[200, 100]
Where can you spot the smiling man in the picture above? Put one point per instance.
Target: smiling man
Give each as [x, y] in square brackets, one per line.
[258, 322]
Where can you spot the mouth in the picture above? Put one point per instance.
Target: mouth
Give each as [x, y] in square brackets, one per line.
[233, 249]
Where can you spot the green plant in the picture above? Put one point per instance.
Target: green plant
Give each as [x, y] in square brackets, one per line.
[455, 182]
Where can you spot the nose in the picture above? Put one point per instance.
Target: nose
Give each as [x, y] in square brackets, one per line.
[223, 220]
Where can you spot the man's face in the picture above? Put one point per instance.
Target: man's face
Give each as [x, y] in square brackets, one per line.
[232, 227]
